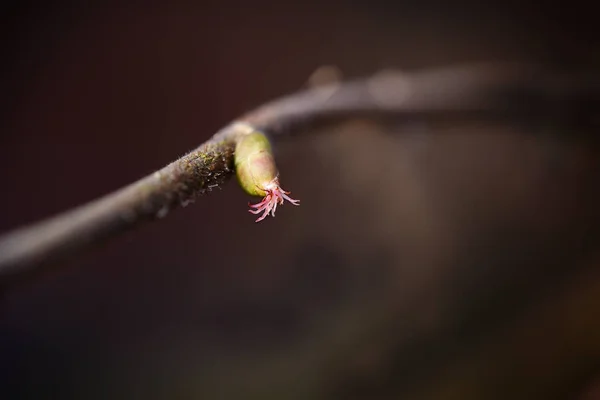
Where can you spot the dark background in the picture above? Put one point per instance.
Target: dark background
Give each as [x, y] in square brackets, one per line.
[425, 262]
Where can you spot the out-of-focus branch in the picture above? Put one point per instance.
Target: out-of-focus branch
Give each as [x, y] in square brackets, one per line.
[465, 92]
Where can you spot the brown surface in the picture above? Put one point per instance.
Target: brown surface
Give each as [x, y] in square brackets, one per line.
[446, 262]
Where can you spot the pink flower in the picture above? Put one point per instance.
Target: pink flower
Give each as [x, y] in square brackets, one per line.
[274, 195]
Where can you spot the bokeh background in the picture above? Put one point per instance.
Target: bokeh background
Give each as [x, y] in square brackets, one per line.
[426, 262]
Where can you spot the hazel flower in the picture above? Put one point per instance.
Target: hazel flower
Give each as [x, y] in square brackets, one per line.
[257, 174]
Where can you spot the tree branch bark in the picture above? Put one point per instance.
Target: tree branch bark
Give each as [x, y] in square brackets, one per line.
[479, 91]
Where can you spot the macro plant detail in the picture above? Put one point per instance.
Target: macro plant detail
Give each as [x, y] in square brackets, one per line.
[257, 173]
[467, 92]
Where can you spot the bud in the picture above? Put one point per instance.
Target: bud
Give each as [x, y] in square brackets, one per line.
[257, 174]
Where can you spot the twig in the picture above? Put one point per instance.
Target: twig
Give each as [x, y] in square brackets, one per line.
[466, 92]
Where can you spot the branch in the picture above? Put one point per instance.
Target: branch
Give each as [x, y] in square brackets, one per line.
[465, 92]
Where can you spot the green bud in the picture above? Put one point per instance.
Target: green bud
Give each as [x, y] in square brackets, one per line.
[254, 163]
[257, 173]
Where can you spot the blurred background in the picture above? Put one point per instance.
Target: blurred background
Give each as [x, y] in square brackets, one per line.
[426, 262]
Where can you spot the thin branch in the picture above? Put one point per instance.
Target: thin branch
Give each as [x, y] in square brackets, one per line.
[465, 92]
